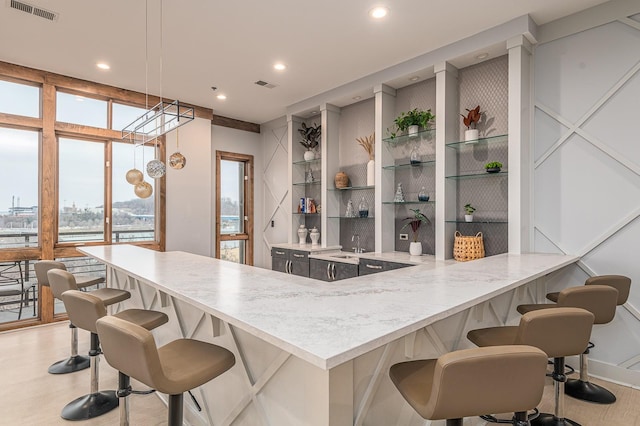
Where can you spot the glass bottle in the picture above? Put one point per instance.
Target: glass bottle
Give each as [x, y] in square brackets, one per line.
[350, 212]
[415, 156]
[422, 195]
[363, 208]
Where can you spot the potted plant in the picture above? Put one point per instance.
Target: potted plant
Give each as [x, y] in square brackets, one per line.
[413, 120]
[471, 121]
[418, 218]
[310, 138]
[493, 167]
[469, 209]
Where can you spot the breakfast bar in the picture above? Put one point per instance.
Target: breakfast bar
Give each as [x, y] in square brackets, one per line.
[317, 353]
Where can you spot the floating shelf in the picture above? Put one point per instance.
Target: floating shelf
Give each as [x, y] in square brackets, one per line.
[306, 214]
[304, 162]
[353, 188]
[315, 182]
[477, 175]
[345, 217]
[400, 203]
[409, 165]
[420, 136]
[478, 142]
[483, 222]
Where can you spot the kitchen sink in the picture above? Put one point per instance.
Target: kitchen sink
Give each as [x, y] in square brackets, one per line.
[345, 256]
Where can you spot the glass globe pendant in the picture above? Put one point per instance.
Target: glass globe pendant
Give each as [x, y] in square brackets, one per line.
[143, 189]
[156, 169]
[134, 176]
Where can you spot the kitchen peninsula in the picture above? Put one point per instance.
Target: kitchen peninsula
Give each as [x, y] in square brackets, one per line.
[317, 353]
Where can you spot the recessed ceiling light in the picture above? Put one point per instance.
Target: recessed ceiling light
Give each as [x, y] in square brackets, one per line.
[482, 55]
[357, 98]
[414, 78]
[221, 97]
[103, 66]
[378, 12]
[280, 66]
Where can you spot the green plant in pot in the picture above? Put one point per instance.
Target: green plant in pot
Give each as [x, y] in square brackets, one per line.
[413, 120]
[493, 167]
[469, 209]
[418, 218]
[310, 139]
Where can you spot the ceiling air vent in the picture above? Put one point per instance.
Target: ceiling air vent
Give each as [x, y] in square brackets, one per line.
[265, 84]
[33, 10]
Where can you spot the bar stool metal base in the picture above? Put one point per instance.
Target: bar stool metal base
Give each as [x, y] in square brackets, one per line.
[587, 391]
[70, 365]
[90, 406]
[545, 419]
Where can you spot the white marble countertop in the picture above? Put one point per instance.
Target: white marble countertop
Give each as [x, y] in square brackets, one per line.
[393, 256]
[307, 247]
[327, 324]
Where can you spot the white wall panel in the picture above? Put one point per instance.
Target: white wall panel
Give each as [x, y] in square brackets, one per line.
[587, 182]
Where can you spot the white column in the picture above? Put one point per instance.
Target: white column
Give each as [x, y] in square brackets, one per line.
[385, 103]
[330, 164]
[447, 110]
[293, 124]
[520, 157]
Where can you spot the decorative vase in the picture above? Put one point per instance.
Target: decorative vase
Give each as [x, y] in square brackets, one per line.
[341, 180]
[422, 195]
[363, 208]
[302, 234]
[493, 170]
[413, 130]
[471, 135]
[468, 218]
[399, 197]
[371, 173]
[315, 236]
[309, 155]
[415, 249]
[414, 159]
[350, 211]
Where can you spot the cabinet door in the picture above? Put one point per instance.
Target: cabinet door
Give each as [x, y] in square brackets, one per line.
[343, 271]
[370, 266]
[318, 269]
[300, 268]
[279, 264]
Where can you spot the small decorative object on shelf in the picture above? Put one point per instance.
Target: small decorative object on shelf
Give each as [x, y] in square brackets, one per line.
[341, 180]
[418, 218]
[350, 210]
[399, 197]
[422, 195]
[469, 209]
[310, 138]
[412, 121]
[308, 176]
[307, 206]
[414, 159]
[363, 208]
[493, 167]
[368, 143]
[315, 236]
[302, 234]
[471, 121]
[467, 248]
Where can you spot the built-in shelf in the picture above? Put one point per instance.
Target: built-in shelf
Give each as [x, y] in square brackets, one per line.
[420, 136]
[477, 175]
[354, 188]
[306, 214]
[408, 165]
[315, 182]
[480, 141]
[354, 217]
[409, 202]
[304, 162]
[483, 222]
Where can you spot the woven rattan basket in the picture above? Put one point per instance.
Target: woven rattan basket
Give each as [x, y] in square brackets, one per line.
[341, 180]
[468, 247]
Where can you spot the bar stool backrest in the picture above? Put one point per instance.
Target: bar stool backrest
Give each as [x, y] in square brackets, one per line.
[43, 267]
[600, 300]
[515, 375]
[619, 282]
[84, 309]
[559, 332]
[61, 281]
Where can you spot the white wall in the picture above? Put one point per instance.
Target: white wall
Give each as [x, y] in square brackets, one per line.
[587, 164]
[191, 190]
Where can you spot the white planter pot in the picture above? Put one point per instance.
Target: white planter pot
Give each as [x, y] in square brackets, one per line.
[413, 130]
[309, 155]
[371, 173]
[415, 249]
[468, 218]
[471, 135]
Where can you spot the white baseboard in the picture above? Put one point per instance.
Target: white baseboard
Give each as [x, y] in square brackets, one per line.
[613, 373]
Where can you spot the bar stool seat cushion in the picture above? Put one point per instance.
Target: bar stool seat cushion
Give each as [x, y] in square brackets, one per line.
[143, 317]
[455, 385]
[111, 296]
[83, 281]
[494, 336]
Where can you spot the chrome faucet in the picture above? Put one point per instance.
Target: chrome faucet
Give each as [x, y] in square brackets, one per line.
[357, 249]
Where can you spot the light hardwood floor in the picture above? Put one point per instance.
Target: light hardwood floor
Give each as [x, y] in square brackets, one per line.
[31, 396]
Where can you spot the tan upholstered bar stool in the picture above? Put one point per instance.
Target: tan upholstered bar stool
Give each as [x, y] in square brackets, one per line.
[558, 332]
[75, 362]
[601, 300]
[84, 310]
[456, 385]
[173, 369]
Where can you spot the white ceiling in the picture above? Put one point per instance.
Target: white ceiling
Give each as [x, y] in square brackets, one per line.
[232, 44]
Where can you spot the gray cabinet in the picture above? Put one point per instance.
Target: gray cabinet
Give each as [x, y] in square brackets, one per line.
[289, 261]
[331, 271]
[372, 266]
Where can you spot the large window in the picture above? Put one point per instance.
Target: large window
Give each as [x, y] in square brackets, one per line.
[78, 109]
[18, 188]
[19, 99]
[81, 190]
